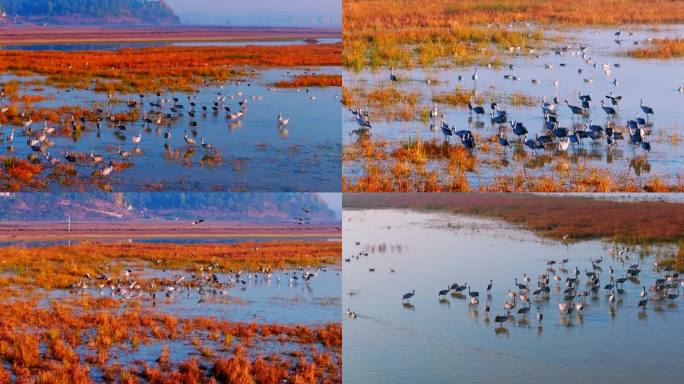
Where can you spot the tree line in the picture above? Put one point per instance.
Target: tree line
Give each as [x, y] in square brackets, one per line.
[146, 10]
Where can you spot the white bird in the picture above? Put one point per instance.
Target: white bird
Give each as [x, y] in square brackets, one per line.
[137, 138]
[207, 145]
[107, 170]
[282, 121]
[189, 139]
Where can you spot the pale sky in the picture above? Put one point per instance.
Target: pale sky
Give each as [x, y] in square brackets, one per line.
[307, 13]
[334, 201]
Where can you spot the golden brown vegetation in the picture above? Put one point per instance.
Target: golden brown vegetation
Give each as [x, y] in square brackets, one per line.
[97, 334]
[410, 32]
[59, 266]
[435, 165]
[409, 166]
[660, 49]
[461, 97]
[303, 81]
[158, 69]
[551, 216]
[50, 336]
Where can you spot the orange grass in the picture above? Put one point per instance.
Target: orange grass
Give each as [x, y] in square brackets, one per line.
[60, 266]
[660, 49]
[411, 32]
[550, 216]
[165, 68]
[433, 166]
[61, 329]
[303, 81]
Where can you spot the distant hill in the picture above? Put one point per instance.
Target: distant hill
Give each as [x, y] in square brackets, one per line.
[83, 12]
[245, 207]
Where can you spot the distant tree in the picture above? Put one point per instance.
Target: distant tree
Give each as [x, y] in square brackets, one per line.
[149, 11]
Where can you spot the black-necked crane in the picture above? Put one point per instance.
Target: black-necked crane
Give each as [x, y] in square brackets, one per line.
[503, 141]
[70, 157]
[475, 76]
[523, 311]
[207, 146]
[640, 120]
[576, 111]
[443, 292]
[392, 76]
[467, 139]
[647, 110]
[498, 118]
[407, 296]
[610, 111]
[518, 129]
[478, 110]
[533, 144]
[615, 100]
[540, 315]
[502, 318]
[446, 129]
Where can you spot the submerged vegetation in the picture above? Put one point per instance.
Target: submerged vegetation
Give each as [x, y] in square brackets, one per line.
[435, 165]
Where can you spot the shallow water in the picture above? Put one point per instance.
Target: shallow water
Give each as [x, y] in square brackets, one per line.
[274, 300]
[177, 240]
[452, 341]
[117, 46]
[656, 81]
[257, 155]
